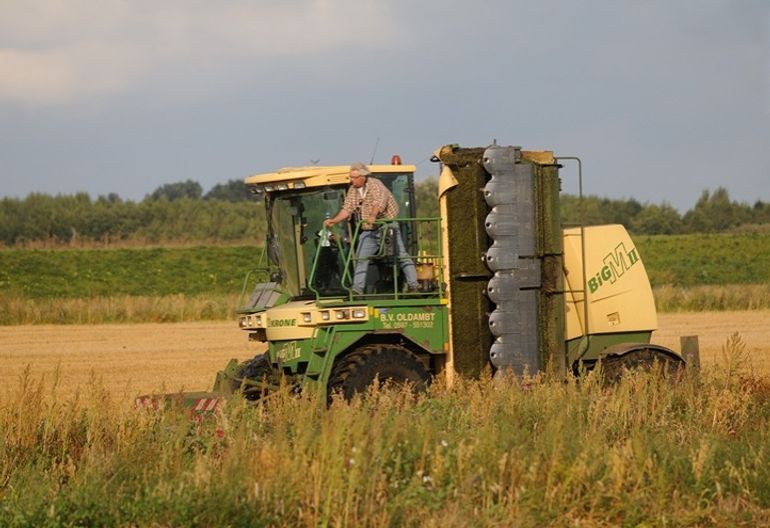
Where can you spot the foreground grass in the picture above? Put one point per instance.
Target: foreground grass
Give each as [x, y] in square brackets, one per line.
[485, 453]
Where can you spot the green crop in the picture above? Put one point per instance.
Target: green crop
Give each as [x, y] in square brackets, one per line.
[693, 260]
[76, 273]
[692, 272]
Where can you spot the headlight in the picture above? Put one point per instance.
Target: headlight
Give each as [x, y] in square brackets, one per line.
[341, 314]
[307, 317]
[258, 320]
[325, 315]
[243, 321]
[359, 313]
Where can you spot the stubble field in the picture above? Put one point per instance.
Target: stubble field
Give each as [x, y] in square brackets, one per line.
[134, 358]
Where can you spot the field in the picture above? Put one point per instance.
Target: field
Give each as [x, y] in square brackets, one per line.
[76, 286]
[78, 273]
[130, 359]
[693, 260]
[74, 453]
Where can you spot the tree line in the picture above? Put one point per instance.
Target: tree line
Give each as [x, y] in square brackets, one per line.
[713, 212]
[175, 212]
[179, 212]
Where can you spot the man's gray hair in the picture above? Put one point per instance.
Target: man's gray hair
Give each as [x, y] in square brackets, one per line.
[360, 168]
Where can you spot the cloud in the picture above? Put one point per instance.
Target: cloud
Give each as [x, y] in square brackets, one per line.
[62, 74]
[59, 51]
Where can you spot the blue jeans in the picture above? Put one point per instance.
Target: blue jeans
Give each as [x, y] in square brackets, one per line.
[368, 245]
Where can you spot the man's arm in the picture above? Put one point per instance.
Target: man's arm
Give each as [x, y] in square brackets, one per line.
[339, 217]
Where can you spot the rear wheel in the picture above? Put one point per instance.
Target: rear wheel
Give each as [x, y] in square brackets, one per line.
[647, 359]
[357, 371]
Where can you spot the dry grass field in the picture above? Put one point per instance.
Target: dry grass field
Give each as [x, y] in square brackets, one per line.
[128, 358]
[713, 329]
[135, 358]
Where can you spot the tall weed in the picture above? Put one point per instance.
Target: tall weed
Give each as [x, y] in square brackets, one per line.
[483, 452]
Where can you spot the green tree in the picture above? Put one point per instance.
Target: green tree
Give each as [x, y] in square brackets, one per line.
[232, 191]
[593, 210]
[426, 196]
[177, 191]
[657, 220]
[714, 212]
[760, 213]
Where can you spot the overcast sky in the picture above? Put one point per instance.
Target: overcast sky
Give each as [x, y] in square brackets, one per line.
[660, 98]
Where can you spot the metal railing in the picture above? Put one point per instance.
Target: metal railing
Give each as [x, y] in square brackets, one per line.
[428, 257]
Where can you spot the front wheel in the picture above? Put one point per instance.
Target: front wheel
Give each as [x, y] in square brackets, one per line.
[253, 377]
[357, 371]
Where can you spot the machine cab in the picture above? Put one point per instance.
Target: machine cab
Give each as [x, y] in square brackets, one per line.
[313, 261]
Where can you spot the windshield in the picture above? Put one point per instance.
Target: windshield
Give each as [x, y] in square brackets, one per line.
[297, 235]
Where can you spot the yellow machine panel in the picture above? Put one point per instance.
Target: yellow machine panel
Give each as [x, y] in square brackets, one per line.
[619, 293]
[317, 176]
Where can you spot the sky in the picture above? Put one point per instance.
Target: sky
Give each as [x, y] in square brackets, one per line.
[661, 99]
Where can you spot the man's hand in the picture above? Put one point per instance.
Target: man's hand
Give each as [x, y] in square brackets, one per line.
[329, 222]
[368, 223]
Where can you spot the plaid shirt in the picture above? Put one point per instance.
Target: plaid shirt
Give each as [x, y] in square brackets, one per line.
[372, 198]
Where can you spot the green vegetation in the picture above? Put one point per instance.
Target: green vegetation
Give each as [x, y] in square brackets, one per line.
[73, 273]
[692, 272]
[646, 452]
[712, 213]
[74, 286]
[181, 212]
[77, 219]
[680, 260]
[692, 260]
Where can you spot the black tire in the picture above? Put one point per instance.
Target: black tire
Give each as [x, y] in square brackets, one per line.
[357, 371]
[614, 367]
[256, 369]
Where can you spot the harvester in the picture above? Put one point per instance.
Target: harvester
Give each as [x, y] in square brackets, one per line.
[503, 284]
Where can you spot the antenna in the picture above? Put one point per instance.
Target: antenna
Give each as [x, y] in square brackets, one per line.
[376, 143]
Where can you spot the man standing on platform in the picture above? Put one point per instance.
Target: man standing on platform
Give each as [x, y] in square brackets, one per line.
[369, 200]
